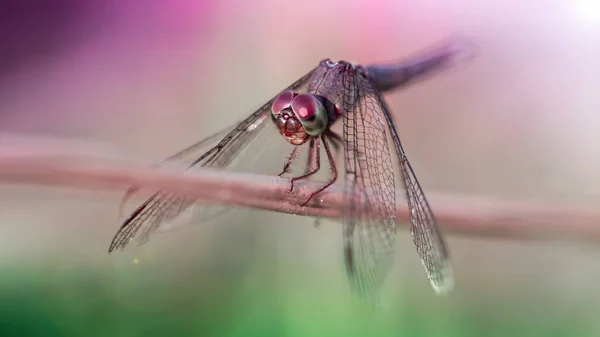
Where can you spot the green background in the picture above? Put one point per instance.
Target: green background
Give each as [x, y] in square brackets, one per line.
[260, 278]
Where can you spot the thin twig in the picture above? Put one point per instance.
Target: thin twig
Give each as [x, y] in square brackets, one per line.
[470, 215]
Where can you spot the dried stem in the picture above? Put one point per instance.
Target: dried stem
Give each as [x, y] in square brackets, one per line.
[471, 215]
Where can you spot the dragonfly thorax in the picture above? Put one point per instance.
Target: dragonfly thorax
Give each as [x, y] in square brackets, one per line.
[298, 117]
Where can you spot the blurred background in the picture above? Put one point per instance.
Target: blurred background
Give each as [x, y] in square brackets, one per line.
[520, 121]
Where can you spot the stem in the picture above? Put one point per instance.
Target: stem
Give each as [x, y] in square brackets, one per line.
[470, 215]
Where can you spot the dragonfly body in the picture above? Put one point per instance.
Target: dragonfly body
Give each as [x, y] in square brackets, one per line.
[303, 114]
[308, 117]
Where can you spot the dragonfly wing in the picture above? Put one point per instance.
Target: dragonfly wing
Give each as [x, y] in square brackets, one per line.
[425, 230]
[369, 219]
[182, 157]
[164, 207]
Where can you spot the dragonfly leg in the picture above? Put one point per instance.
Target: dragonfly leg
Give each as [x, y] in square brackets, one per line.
[336, 141]
[290, 160]
[317, 150]
[332, 166]
[311, 155]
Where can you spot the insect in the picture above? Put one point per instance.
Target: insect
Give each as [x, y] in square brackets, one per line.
[303, 116]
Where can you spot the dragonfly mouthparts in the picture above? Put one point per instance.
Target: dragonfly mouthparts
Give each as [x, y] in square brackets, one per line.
[290, 127]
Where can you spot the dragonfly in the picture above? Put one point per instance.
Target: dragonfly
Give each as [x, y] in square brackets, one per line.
[303, 117]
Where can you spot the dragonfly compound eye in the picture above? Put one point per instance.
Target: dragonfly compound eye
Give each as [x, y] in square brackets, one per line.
[283, 100]
[311, 113]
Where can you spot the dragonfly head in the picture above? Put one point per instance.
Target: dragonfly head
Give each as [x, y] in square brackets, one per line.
[299, 116]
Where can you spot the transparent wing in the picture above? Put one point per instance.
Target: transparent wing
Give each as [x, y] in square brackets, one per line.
[369, 220]
[181, 157]
[238, 147]
[425, 231]
[370, 228]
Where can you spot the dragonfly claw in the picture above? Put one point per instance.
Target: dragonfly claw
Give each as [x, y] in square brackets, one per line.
[308, 200]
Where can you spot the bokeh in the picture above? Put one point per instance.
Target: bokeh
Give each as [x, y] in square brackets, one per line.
[149, 78]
